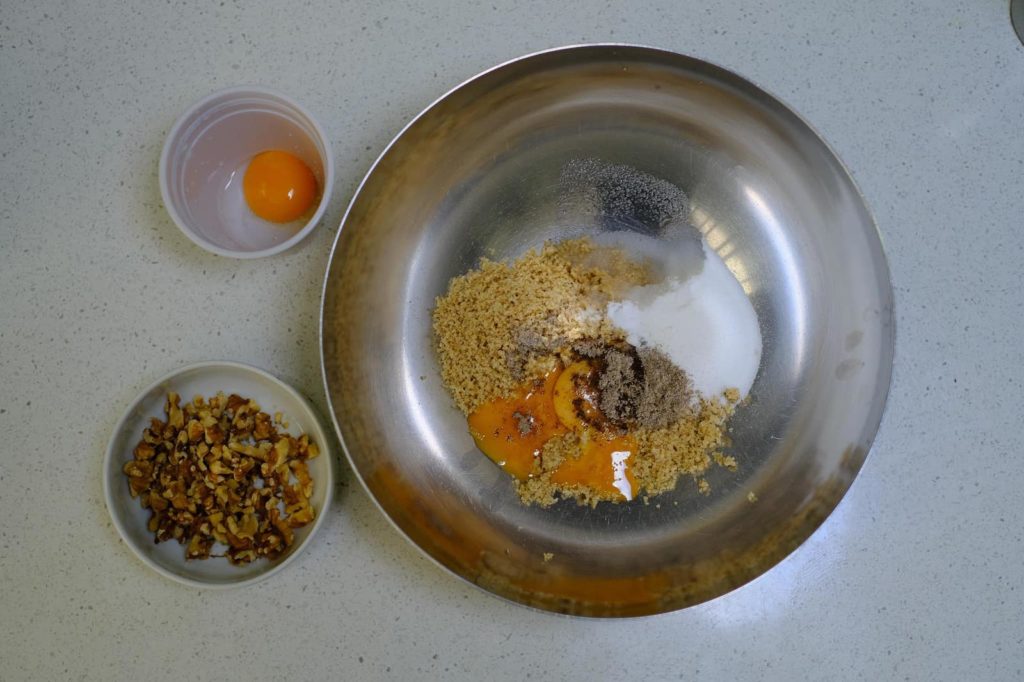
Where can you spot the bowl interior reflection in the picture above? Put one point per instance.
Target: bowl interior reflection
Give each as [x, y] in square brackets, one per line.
[482, 173]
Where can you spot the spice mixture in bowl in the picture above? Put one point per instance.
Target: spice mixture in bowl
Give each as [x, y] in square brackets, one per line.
[571, 363]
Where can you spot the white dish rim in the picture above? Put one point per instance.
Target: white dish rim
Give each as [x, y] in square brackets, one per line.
[320, 437]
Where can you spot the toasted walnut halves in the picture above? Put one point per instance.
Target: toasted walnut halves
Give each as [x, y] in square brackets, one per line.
[217, 475]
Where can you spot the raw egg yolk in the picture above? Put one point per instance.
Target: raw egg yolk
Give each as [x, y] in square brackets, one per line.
[512, 431]
[278, 186]
[603, 465]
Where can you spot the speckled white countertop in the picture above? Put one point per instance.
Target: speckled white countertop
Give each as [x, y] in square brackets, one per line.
[919, 574]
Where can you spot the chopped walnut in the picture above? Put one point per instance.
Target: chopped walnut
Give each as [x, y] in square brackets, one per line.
[219, 472]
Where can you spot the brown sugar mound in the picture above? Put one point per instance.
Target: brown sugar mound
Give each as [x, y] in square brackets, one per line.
[685, 447]
[496, 320]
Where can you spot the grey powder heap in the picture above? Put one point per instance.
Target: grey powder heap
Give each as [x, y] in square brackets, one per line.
[638, 386]
[620, 197]
[621, 386]
[666, 393]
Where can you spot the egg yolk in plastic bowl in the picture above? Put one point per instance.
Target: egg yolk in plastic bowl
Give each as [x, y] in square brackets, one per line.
[279, 187]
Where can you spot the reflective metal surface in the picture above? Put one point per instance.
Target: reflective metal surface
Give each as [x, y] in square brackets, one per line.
[478, 173]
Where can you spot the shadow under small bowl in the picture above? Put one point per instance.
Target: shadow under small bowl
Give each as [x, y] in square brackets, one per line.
[206, 379]
[205, 157]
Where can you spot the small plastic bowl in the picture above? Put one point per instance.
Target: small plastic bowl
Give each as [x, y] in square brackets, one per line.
[206, 379]
[205, 157]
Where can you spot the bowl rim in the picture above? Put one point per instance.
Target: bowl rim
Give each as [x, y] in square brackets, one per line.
[325, 451]
[198, 239]
[887, 318]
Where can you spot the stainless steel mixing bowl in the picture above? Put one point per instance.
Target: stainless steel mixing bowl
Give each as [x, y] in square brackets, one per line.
[481, 173]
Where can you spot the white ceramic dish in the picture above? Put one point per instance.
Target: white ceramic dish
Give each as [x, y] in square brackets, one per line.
[206, 379]
[206, 154]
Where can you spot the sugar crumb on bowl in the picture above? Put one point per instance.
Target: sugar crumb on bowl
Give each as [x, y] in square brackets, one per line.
[726, 461]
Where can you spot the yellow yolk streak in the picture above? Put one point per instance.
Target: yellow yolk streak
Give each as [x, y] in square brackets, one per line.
[603, 465]
[512, 432]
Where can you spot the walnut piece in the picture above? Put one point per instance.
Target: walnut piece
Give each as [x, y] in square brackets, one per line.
[218, 472]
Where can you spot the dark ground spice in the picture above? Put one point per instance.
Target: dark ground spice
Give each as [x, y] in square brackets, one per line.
[667, 390]
[638, 387]
[621, 385]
